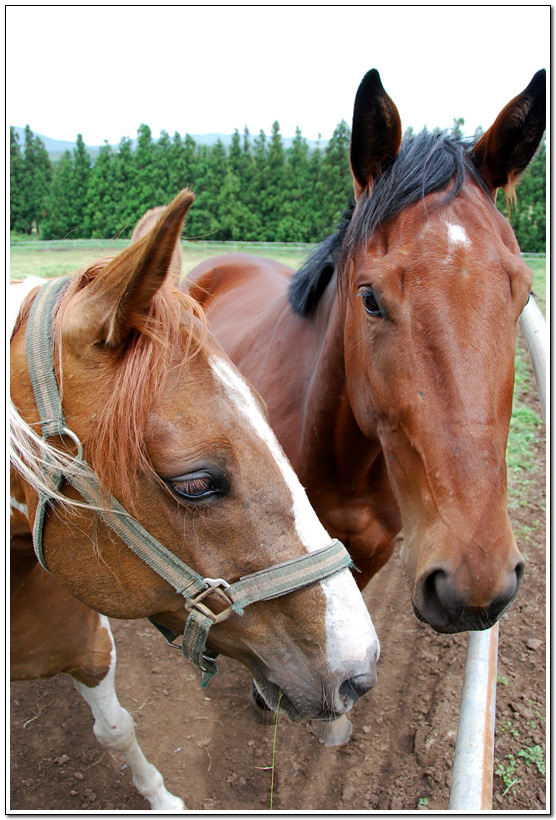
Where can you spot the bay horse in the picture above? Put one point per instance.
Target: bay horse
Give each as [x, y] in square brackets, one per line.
[145, 476]
[387, 360]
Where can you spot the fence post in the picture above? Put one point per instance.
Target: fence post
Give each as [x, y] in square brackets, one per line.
[534, 327]
[472, 771]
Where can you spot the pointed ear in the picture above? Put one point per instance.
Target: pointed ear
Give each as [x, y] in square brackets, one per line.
[507, 148]
[114, 302]
[147, 221]
[376, 132]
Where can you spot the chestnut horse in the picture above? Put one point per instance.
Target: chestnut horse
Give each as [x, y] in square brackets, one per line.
[387, 360]
[155, 414]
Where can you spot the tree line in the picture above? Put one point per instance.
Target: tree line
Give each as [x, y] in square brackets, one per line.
[254, 190]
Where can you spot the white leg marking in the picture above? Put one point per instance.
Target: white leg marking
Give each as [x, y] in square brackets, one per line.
[351, 638]
[114, 729]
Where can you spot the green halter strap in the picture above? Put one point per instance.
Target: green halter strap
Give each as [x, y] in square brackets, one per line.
[264, 585]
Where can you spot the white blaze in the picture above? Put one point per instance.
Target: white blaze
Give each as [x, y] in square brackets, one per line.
[350, 631]
[308, 527]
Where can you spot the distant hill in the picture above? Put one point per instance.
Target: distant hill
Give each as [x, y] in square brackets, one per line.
[56, 147]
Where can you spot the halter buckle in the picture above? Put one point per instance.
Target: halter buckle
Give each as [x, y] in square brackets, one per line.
[76, 441]
[219, 586]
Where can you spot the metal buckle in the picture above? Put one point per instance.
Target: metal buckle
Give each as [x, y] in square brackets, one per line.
[219, 586]
[76, 441]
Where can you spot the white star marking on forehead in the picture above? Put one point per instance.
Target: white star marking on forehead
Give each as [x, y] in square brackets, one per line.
[457, 235]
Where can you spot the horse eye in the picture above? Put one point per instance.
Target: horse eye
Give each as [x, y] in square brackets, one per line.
[195, 487]
[370, 303]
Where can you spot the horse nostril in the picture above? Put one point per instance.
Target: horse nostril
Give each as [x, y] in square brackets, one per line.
[439, 590]
[354, 688]
[446, 611]
[502, 601]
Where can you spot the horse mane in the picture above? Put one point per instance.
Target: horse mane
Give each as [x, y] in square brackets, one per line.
[116, 450]
[30, 454]
[425, 163]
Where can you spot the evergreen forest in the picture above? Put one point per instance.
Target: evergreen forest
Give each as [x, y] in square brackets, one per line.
[254, 190]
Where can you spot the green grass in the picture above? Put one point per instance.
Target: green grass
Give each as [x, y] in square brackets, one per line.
[538, 266]
[38, 261]
[507, 773]
[530, 755]
[47, 264]
[533, 756]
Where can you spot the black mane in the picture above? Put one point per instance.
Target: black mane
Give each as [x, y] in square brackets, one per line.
[425, 163]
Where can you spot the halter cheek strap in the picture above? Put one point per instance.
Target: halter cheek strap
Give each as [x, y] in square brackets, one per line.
[38, 349]
[264, 585]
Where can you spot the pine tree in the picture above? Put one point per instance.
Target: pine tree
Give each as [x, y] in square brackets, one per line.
[124, 173]
[235, 155]
[17, 202]
[274, 193]
[295, 221]
[317, 229]
[161, 171]
[211, 171]
[256, 191]
[35, 178]
[59, 222]
[181, 165]
[79, 187]
[528, 214]
[100, 213]
[335, 186]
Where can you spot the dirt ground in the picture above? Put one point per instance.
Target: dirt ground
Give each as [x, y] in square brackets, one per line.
[214, 755]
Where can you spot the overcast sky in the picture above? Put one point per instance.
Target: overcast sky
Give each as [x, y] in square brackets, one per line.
[102, 71]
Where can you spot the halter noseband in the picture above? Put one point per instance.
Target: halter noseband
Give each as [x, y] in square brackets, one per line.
[273, 582]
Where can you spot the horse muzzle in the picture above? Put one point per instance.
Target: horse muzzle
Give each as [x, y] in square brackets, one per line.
[324, 700]
[448, 609]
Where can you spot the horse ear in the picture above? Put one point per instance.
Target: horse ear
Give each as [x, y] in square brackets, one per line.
[147, 221]
[507, 148]
[376, 132]
[117, 299]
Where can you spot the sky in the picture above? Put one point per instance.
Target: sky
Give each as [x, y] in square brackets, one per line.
[103, 70]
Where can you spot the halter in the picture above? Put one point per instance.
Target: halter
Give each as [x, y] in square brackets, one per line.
[264, 585]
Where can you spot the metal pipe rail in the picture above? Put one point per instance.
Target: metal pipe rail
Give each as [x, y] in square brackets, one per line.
[472, 771]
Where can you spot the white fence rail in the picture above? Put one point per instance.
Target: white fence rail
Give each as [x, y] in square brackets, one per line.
[472, 771]
[231, 246]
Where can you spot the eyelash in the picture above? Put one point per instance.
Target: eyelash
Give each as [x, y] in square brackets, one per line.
[198, 486]
[195, 488]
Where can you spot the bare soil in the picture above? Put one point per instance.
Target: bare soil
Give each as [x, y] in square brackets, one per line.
[214, 755]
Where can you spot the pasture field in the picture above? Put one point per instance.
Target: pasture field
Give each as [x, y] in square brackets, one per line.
[206, 742]
[48, 259]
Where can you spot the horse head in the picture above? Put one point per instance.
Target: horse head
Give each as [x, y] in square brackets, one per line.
[173, 431]
[434, 285]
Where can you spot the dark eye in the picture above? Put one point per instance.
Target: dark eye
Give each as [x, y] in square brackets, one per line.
[196, 486]
[370, 303]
